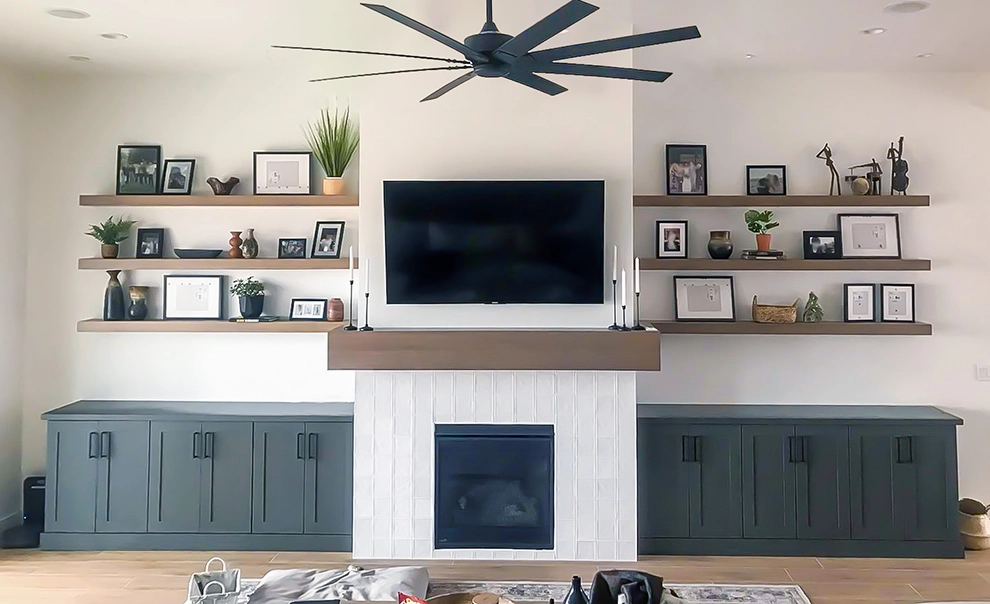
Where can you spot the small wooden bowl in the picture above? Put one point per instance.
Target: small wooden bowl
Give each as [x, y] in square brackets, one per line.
[470, 597]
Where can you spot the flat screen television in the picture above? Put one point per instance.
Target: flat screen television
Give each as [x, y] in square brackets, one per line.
[495, 242]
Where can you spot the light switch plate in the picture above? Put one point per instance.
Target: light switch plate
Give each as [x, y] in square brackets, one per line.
[983, 373]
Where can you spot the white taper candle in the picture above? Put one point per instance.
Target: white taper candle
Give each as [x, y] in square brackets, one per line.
[367, 277]
[623, 287]
[615, 262]
[350, 261]
[636, 277]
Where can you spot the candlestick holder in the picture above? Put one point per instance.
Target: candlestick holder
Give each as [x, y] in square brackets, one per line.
[637, 326]
[350, 310]
[367, 298]
[615, 313]
[624, 327]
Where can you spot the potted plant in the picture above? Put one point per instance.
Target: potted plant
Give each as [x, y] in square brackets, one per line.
[251, 293]
[334, 140]
[760, 223]
[110, 233]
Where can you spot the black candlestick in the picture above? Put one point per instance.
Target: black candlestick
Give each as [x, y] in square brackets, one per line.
[615, 317]
[350, 310]
[637, 326]
[367, 297]
[624, 328]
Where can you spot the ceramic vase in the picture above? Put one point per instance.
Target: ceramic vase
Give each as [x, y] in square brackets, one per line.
[252, 306]
[113, 299]
[763, 242]
[576, 593]
[333, 186]
[138, 310]
[109, 250]
[250, 246]
[235, 245]
[335, 312]
[720, 245]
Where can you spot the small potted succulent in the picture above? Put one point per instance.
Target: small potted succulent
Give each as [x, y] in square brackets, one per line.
[251, 293]
[761, 223]
[110, 233]
[334, 140]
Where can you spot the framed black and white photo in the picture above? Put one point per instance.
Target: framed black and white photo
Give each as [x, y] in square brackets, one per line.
[859, 302]
[327, 240]
[766, 180]
[704, 299]
[282, 172]
[138, 169]
[870, 235]
[896, 303]
[193, 297]
[292, 248]
[308, 309]
[178, 175]
[150, 243]
[687, 170]
[672, 239]
[822, 245]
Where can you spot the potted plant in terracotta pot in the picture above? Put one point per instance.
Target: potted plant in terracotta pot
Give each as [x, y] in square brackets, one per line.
[251, 293]
[334, 139]
[760, 223]
[110, 233]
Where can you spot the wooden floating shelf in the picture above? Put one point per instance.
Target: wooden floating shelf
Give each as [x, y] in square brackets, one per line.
[780, 201]
[214, 201]
[158, 326]
[731, 265]
[825, 328]
[214, 264]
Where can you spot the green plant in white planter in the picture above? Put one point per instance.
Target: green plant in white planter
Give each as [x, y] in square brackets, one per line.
[110, 233]
[334, 140]
[251, 294]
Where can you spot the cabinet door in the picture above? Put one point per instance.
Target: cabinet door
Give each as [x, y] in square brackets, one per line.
[872, 491]
[279, 477]
[226, 477]
[823, 482]
[122, 481]
[664, 453]
[73, 458]
[174, 490]
[769, 456]
[329, 478]
[715, 489]
[925, 490]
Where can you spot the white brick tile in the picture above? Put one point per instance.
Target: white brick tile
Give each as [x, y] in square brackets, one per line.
[567, 550]
[402, 528]
[607, 488]
[383, 548]
[605, 466]
[503, 554]
[524, 383]
[606, 384]
[524, 555]
[381, 528]
[586, 531]
[545, 387]
[585, 491]
[566, 510]
[607, 445]
[443, 554]
[423, 529]
[364, 466]
[463, 397]
[384, 443]
[363, 530]
[383, 466]
[423, 508]
[484, 554]
[585, 385]
[566, 383]
[363, 550]
[545, 554]
[606, 551]
[586, 445]
[606, 530]
[422, 486]
[627, 551]
[586, 550]
[443, 401]
[605, 422]
[402, 488]
[364, 386]
[403, 548]
[403, 508]
[403, 388]
[545, 412]
[364, 490]
[608, 509]
[586, 512]
[383, 485]
[422, 549]
[462, 554]
[363, 511]
[423, 388]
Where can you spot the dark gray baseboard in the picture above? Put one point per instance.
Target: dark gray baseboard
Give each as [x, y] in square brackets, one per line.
[195, 542]
[801, 547]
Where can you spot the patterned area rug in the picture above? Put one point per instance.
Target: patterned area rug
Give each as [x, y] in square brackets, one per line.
[702, 594]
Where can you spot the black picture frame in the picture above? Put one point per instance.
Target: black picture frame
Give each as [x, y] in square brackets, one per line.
[128, 181]
[772, 190]
[845, 303]
[221, 296]
[847, 243]
[338, 245]
[186, 188]
[292, 309]
[669, 177]
[259, 190]
[732, 297]
[151, 251]
[810, 252]
[300, 242]
[662, 252]
[882, 303]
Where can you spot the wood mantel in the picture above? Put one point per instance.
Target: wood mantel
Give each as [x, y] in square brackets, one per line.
[495, 350]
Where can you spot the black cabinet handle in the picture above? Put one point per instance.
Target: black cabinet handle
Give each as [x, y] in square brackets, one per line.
[94, 445]
[687, 449]
[905, 449]
[301, 446]
[314, 445]
[790, 449]
[208, 451]
[697, 449]
[197, 445]
[105, 444]
[804, 449]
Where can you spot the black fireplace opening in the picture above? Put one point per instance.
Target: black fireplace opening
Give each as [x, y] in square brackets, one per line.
[494, 487]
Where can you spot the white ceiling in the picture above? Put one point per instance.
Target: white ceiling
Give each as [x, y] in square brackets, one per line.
[213, 35]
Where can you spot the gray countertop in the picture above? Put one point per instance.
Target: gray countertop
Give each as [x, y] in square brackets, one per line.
[199, 411]
[796, 413]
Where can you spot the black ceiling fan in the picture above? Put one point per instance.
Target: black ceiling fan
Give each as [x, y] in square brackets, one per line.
[492, 54]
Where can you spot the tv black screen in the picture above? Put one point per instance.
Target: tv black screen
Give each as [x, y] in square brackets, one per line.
[495, 242]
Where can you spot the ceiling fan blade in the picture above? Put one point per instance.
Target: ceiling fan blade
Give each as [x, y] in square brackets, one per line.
[369, 52]
[475, 56]
[550, 26]
[439, 93]
[536, 82]
[601, 71]
[379, 73]
[616, 44]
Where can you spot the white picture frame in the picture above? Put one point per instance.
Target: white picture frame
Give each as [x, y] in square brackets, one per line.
[897, 303]
[283, 172]
[859, 302]
[870, 235]
[672, 239]
[193, 297]
[704, 299]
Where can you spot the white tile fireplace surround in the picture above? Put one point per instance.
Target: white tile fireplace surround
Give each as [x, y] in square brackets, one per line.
[594, 418]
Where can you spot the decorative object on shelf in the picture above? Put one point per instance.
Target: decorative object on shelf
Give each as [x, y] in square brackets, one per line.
[813, 311]
[766, 180]
[672, 239]
[308, 309]
[350, 300]
[896, 303]
[138, 169]
[193, 297]
[223, 187]
[870, 235]
[333, 140]
[335, 310]
[150, 243]
[822, 245]
[235, 245]
[704, 299]
[859, 302]
[113, 298]
[615, 289]
[761, 223]
[292, 248]
[250, 248]
[866, 184]
[366, 277]
[763, 255]
[687, 170]
[636, 291]
[774, 313]
[138, 310]
[899, 179]
[251, 295]
[720, 245]
[835, 186]
[178, 175]
[196, 254]
[576, 595]
[327, 240]
[110, 233]
[282, 172]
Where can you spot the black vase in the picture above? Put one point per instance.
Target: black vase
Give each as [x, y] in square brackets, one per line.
[252, 306]
[138, 310]
[113, 299]
[576, 594]
[720, 245]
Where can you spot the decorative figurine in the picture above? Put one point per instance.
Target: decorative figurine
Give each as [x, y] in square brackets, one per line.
[813, 312]
[871, 183]
[899, 180]
[223, 187]
[826, 154]
[235, 245]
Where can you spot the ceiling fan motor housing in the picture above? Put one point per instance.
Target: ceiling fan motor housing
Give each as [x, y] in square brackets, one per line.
[487, 42]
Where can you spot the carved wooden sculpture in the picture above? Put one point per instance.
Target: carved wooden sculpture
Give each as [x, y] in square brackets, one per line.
[899, 180]
[826, 154]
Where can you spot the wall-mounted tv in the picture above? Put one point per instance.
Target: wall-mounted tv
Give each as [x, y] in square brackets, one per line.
[495, 242]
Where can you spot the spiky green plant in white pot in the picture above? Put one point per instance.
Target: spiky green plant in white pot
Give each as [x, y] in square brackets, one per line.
[334, 140]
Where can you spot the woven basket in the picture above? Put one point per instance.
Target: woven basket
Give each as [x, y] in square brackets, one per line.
[974, 524]
[769, 313]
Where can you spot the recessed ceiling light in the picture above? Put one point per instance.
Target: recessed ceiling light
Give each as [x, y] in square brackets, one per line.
[68, 13]
[750, 56]
[114, 36]
[79, 58]
[903, 8]
[925, 55]
[873, 31]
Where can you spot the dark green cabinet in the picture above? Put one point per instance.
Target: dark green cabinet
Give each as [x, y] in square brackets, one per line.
[73, 461]
[664, 504]
[714, 485]
[329, 479]
[769, 456]
[822, 481]
[225, 487]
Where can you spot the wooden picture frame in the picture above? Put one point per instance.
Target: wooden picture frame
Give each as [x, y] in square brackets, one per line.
[285, 172]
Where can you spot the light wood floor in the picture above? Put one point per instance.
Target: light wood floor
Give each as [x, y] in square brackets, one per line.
[29, 577]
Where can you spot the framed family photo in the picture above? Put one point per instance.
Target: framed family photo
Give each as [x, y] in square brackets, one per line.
[822, 245]
[870, 235]
[672, 239]
[193, 297]
[766, 180]
[687, 170]
[178, 174]
[292, 248]
[327, 240]
[150, 243]
[704, 299]
[308, 309]
[138, 169]
[282, 172]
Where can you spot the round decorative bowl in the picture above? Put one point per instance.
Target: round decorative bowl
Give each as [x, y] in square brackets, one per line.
[196, 254]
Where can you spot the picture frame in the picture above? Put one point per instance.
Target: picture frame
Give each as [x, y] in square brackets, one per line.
[870, 236]
[859, 303]
[687, 169]
[308, 309]
[822, 245]
[766, 180]
[177, 176]
[704, 299]
[292, 247]
[897, 303]
[283, 172]
[193, 297]
[138, 169]
[328, 239]
[672, 239]
[150, 243]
